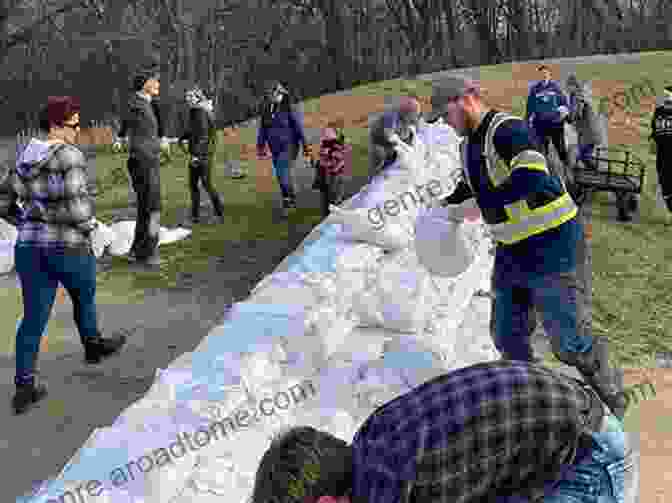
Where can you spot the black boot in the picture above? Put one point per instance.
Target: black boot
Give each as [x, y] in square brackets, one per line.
[28, 395]
[604, 379]
[98, 348]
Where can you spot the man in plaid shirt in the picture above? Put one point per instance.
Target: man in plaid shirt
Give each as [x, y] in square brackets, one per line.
[504, 431]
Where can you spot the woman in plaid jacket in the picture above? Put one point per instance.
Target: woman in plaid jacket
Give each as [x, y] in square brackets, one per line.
[47, 197]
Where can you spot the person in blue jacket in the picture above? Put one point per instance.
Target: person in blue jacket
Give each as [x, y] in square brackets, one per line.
[547, 110]
[282, 130]
[533, 221]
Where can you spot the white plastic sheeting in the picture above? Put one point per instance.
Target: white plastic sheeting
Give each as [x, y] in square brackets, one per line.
[344, 324]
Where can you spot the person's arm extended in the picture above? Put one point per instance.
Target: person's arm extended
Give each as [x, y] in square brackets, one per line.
[529, 168]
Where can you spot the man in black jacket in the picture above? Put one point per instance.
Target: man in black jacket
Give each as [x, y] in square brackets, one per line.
[661, 134]
[145, 131]
[201, 135]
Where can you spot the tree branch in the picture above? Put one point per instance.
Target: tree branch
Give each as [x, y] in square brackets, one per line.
[24, 35]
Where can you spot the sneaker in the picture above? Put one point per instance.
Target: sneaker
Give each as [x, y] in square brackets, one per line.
[28, 395]
[96, 349]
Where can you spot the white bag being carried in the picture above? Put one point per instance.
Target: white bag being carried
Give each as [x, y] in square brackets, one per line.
[8, 236]
[123, 237]
[440, 243]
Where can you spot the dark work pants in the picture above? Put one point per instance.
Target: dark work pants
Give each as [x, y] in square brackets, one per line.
[147, 186]
[556, 134]
[333, 190]
[200, 172]
[663, 160]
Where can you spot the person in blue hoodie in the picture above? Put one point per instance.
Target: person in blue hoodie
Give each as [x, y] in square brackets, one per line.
[47, 197]
[282, 130]
[547, 110]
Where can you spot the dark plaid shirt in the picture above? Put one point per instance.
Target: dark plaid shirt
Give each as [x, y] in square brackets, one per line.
[488, 431]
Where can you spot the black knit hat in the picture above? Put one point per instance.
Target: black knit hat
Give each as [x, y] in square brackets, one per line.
[143, 75]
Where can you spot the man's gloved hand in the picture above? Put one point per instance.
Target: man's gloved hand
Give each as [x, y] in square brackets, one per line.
[564, 112]
[165, 145]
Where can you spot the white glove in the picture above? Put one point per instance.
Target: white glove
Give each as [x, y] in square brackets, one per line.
[394, 139]
[165, 144]
[564, 111]
[118, 145]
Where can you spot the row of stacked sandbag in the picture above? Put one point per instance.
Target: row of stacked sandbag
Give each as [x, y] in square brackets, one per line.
[346, 323]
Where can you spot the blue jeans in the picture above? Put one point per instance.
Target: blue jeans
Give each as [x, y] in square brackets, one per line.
[40, 271]
[608, 475]
[554, 295]
[282, 164]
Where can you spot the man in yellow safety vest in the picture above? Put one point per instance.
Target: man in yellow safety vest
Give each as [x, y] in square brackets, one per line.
[533, 220]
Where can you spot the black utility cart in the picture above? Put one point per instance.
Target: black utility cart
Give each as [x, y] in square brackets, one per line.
[614, 170]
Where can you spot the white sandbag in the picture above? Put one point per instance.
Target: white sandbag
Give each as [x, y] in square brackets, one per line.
[101, 238]
[473, 336]
[399, 295]
[440, 244]
[279, 287]
[332, 326]
[124, 232]
[123, 237]
[363, 344]
[358, 226]
[8, 236]
[167, 236]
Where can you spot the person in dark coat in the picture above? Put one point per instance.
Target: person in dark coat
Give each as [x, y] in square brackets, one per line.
[584, 118]
[282, 130]
[661, 134]
[202, 137]
[145, 131]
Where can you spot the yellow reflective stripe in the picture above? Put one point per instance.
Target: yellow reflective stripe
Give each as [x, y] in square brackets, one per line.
[537, 221]
[498, 170]
[529, 159]
[516, 211]
[534, 166]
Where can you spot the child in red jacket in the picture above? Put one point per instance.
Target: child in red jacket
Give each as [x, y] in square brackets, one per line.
[331, 166]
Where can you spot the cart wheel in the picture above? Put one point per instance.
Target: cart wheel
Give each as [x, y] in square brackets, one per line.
[633, 203]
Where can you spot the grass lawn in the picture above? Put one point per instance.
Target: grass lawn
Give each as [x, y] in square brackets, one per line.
[632, 270]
